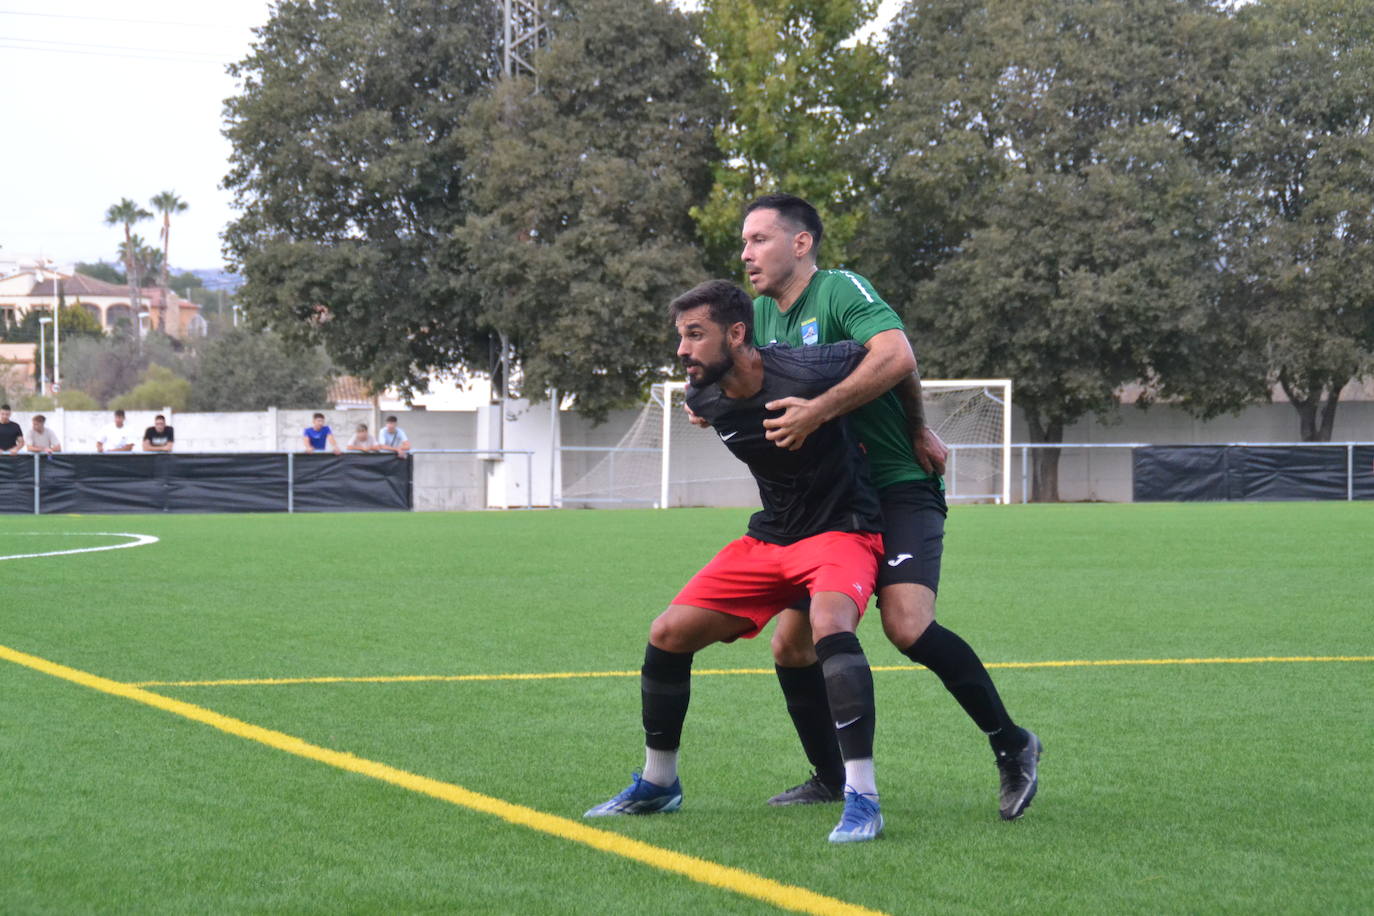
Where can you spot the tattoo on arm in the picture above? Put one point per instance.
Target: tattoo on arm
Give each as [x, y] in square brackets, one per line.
[908, 390]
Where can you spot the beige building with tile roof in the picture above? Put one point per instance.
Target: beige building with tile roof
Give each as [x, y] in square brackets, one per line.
[33, 287]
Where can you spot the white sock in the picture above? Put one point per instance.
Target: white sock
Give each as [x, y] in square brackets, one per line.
[660, 767]
[858, 776]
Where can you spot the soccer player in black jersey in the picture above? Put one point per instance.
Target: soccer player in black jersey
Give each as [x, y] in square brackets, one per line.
[818, 534]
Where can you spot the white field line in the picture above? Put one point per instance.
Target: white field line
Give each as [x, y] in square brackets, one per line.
[139, 540]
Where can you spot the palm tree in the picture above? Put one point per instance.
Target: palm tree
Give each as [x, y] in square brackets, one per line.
[127, 212]
[166, 203]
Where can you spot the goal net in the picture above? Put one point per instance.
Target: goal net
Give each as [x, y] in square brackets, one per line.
[973, 417]
[694, 469]
[662, 460]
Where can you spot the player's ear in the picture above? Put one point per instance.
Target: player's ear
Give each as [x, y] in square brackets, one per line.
[739, 334]
[802, 243]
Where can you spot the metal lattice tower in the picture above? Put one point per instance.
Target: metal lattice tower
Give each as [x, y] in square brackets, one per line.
[525, 33]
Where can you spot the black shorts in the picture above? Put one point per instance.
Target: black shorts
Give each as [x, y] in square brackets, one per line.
[913, 534]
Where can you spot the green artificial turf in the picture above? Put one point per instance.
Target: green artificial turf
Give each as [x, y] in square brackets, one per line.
[1164, 788]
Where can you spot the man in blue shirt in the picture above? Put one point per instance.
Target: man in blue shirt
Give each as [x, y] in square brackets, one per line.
[319, 437]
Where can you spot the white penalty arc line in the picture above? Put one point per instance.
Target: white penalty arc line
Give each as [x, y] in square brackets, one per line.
[139, 540]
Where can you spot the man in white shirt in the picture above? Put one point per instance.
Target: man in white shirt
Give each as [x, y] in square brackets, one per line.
[115, 438]
[393, 439]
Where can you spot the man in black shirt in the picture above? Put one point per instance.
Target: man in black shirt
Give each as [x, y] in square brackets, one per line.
[159, 437]
[818, 533]
[11, 436]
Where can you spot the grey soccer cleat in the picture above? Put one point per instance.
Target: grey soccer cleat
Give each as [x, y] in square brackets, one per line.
[1020, 777]
[814, 791]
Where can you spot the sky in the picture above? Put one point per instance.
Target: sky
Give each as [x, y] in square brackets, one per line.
[74, 73]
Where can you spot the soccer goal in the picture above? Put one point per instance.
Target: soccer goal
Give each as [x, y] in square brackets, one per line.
[663, 461]
[973, 417]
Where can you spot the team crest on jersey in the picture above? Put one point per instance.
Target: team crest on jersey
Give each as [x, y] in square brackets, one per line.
[810, 332]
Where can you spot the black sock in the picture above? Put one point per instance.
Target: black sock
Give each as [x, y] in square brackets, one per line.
[809, 707]
[665, 687]
[849, 684]
[959, 668]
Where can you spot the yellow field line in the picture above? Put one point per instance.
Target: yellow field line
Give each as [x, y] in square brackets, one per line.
[566, 675]
[786, 896]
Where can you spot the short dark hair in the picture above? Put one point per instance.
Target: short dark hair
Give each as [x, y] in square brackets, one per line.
[391, 419]
[729, 304]
[159, 417]
[796, 211]
[4, 407]
[320, 415]
[362, 427]
[38, 417]
[119, 413]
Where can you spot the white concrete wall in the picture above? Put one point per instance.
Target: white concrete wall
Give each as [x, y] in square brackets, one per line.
[269, 430]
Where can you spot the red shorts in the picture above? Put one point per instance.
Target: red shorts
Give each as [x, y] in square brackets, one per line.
[756, 580]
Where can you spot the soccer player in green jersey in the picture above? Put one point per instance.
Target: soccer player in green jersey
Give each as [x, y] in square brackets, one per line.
[800, 305]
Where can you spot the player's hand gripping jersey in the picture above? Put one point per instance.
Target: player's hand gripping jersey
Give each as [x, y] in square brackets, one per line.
[822, 486]
[841, 305]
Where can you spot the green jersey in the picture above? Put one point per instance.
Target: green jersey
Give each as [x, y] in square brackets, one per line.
[839, 305]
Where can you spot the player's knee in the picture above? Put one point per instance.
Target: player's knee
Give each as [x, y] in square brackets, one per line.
[666, 633]
[789, 652]
[905, 620]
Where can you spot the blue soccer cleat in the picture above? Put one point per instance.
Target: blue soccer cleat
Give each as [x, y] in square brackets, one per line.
[642, 797]
[861, 819]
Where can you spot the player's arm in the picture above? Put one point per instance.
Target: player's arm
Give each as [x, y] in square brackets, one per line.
[333, 445]
[929, 449]
[888, 362]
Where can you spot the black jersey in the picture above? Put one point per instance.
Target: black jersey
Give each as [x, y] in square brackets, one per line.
[822, 486]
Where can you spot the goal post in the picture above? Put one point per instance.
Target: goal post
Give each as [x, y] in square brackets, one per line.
[663, 461]
[973, 417]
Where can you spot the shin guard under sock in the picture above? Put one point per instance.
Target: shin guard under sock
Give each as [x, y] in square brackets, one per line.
[665, 688]
[849, 684]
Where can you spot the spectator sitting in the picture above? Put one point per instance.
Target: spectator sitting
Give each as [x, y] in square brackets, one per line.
[42, 439]
[115, 438]
[319, 437]
[394, 439]
[362, 440]
[158, 437]
[11, 436]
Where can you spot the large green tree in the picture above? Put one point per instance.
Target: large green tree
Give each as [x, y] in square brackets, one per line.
[579, 231]
[1302, 249]
[347, 166]
[800, 89]
[250, 370]
[1048, 212]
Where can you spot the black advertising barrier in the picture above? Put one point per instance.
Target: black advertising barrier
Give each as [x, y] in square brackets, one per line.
[16, 483]
[1254, 472]
[253, 482]
[1182, 472]
[1364, 472]
[325, 482]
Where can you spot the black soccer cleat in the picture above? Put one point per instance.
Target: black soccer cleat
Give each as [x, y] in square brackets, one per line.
[1020, 777]
[815, 791]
